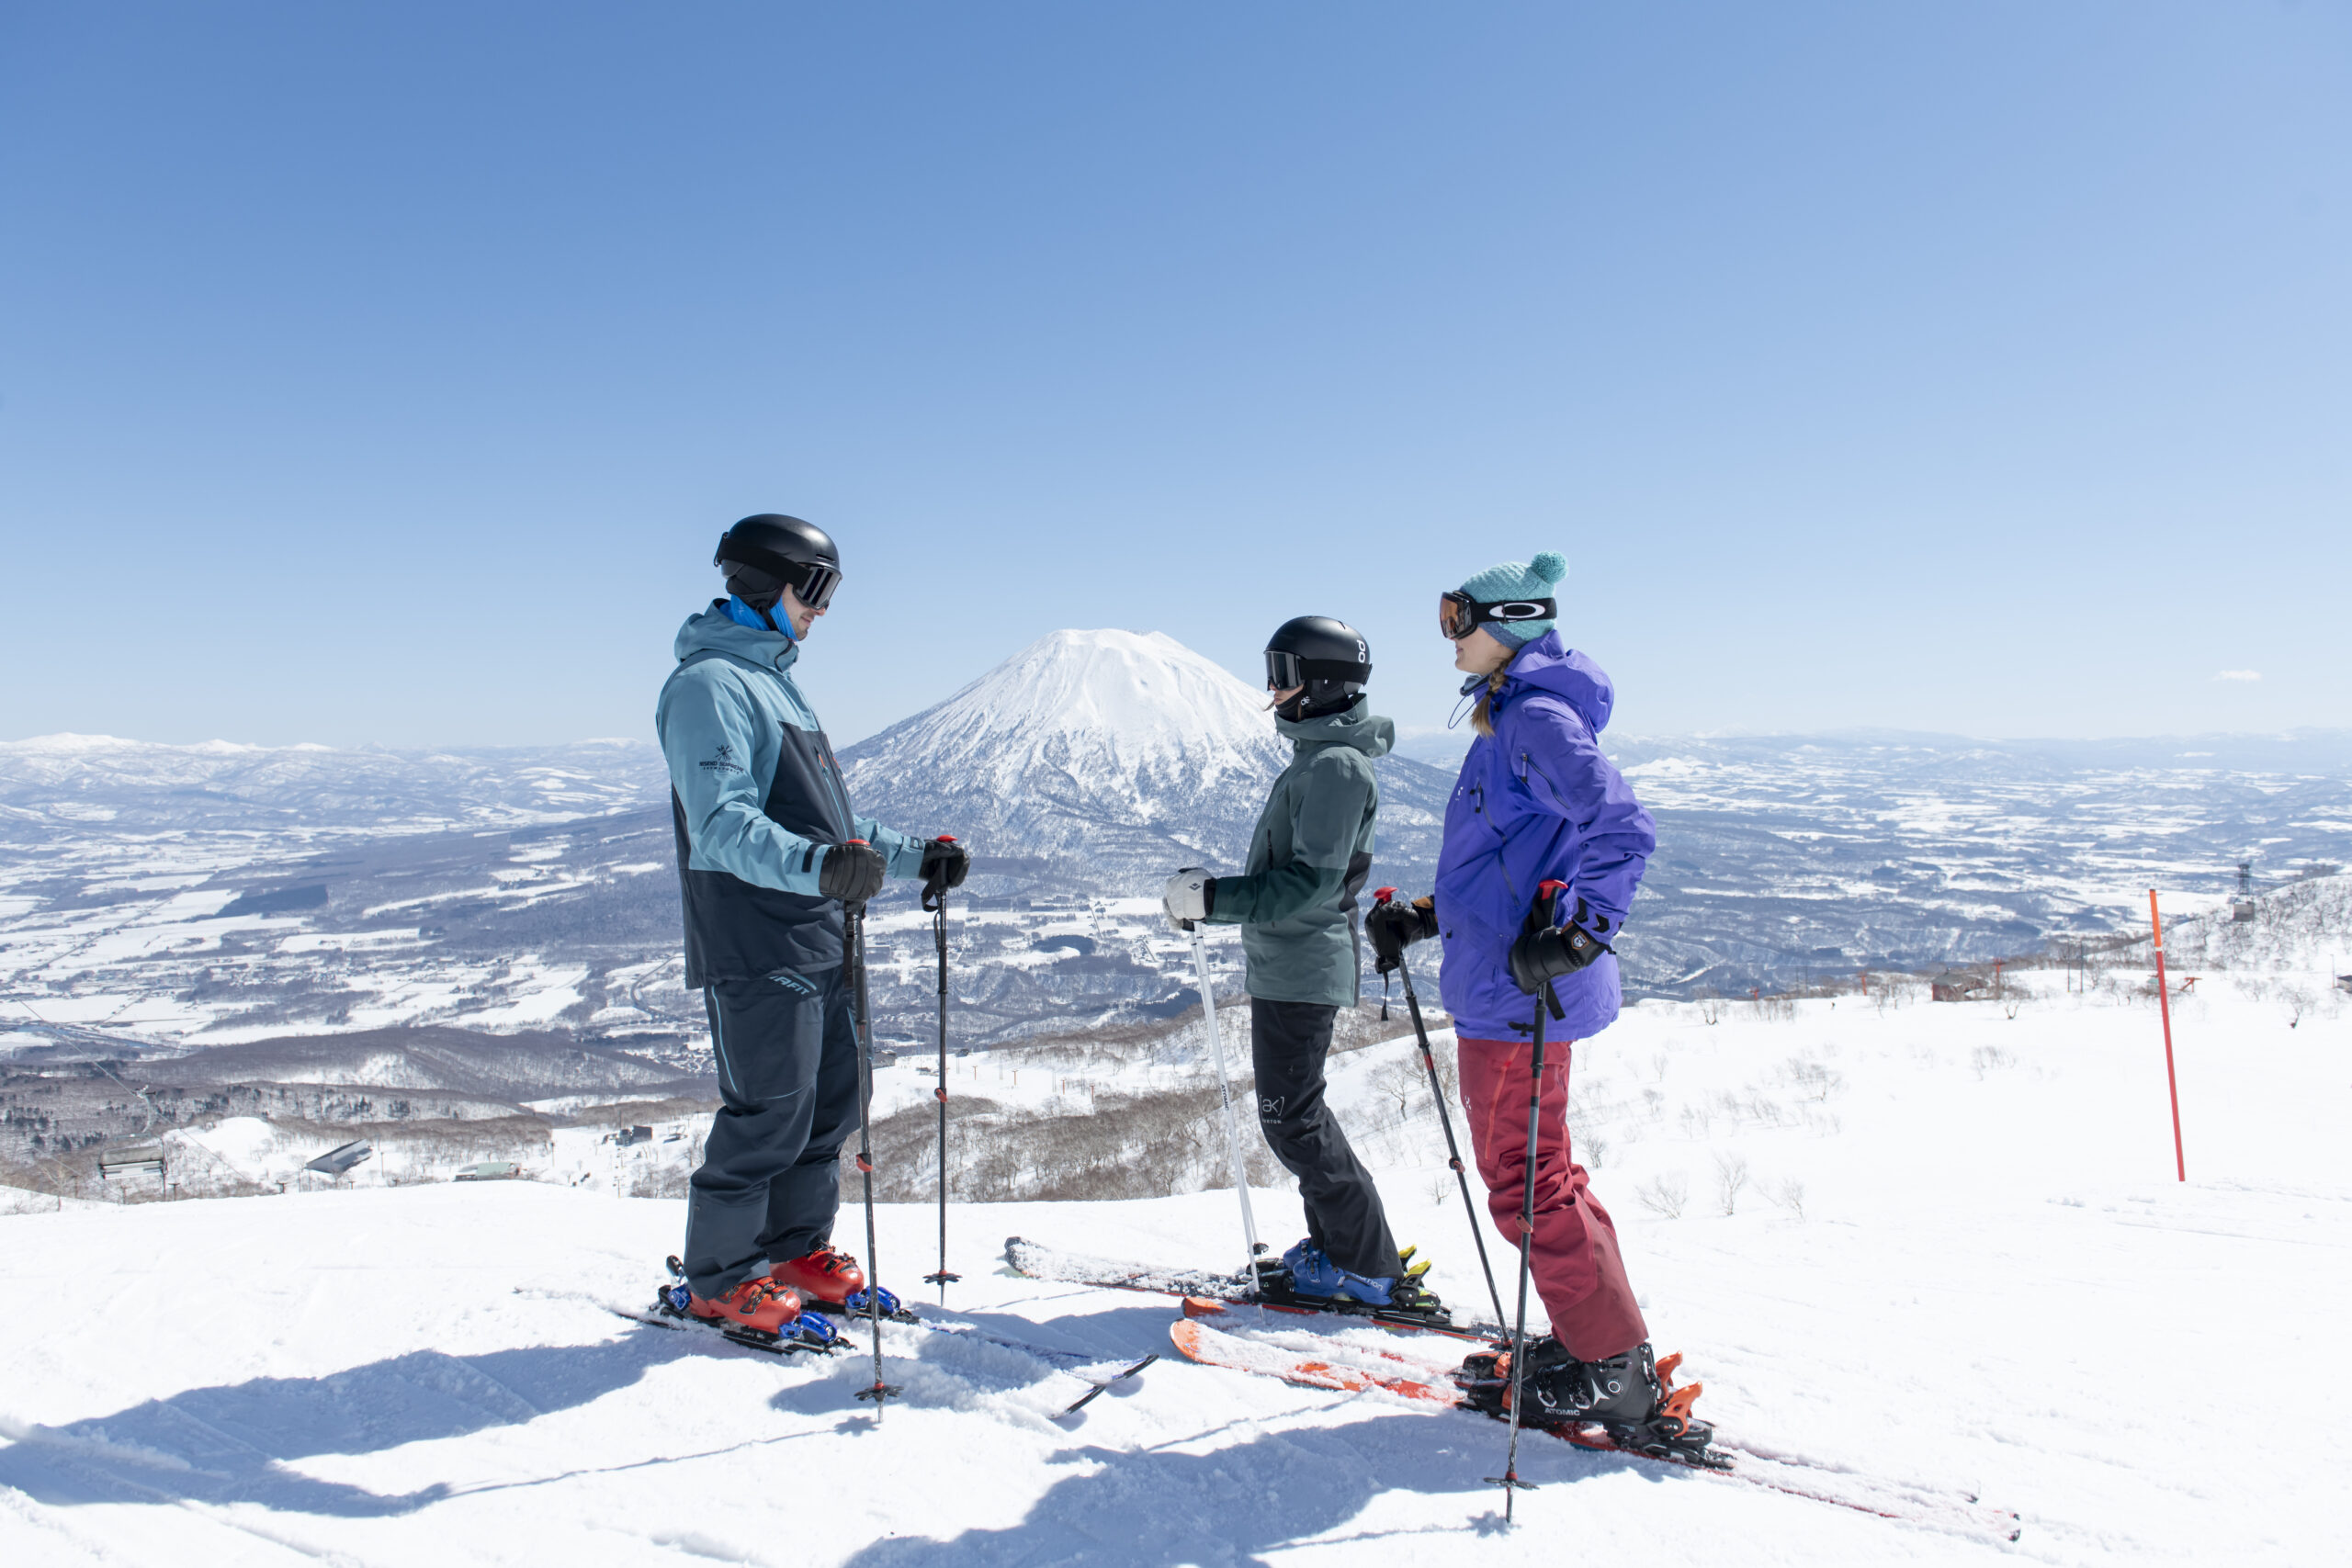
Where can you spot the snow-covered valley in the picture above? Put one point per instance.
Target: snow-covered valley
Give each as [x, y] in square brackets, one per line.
[1932, 1249]
[1958, 1262]
[157, 896]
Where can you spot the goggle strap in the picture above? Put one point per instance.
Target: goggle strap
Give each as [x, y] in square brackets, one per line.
[1286, 669]
[1451, 608]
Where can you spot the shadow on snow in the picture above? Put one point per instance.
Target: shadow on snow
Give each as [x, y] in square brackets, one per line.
[236, 1443]
[1158, 1508]
[232, 1443]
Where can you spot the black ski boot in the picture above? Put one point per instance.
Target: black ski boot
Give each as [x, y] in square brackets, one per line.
[1632, 1397]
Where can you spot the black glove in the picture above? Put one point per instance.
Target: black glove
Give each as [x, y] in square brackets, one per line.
[1545, 952]
[945, 863]
[852, 872]
[1394, 927]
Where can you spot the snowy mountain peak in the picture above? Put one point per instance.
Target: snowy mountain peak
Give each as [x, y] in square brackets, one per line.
[1081, 729]
[1142, 693]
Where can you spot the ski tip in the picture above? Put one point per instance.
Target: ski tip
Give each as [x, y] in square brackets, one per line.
[1204, 1306]
[1185, 1334]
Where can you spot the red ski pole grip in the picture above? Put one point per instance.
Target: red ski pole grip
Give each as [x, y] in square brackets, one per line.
[1382, 895]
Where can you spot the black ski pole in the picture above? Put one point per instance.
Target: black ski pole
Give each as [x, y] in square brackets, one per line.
[1508, 1480]
[934, 898]
[1453, 1149]
[855, 947]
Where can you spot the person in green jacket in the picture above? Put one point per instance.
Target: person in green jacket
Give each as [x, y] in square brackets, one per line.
[1296, 908]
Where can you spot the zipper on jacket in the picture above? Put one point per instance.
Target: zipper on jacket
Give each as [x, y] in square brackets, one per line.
[1502, 860]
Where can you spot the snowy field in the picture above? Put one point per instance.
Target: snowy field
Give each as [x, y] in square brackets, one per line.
[1959, 1261]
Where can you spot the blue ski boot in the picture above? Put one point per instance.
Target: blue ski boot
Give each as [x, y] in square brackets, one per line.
[1314, 1275]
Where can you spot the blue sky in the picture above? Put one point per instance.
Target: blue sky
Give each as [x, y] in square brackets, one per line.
[386, 373]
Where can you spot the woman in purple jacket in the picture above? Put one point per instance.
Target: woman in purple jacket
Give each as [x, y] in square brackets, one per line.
[1540, 814]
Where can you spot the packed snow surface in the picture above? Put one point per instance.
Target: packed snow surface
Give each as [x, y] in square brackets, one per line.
[1958, 1261]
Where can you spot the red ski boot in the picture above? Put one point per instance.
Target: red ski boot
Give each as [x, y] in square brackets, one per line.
[826, 1276]
[758, 1303]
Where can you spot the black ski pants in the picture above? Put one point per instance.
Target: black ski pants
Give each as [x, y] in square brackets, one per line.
[1288, 1041]
[769, 1179]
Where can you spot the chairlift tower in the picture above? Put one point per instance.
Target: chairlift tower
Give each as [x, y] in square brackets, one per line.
[2242, 907]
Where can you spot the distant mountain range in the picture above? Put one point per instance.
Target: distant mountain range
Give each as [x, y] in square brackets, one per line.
[67, 781]
[217, 893]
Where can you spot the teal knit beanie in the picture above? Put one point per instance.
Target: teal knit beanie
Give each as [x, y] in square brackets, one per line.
[1517, 580]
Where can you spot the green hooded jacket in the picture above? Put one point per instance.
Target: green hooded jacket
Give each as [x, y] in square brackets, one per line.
[1296, 902]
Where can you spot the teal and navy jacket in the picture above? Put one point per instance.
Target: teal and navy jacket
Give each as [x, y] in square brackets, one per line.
[1308, 859]
[757, 798]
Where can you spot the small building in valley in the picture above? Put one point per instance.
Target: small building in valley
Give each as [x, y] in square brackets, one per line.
[1953, 985]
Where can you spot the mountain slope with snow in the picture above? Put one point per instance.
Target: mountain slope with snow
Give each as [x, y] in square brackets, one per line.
[1110, 755]
[1083, 741]
[1955, 1261]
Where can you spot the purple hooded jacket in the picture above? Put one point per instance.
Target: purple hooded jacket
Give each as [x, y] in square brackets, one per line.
[1537, 802]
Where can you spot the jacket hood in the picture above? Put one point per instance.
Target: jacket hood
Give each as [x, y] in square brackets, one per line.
[715, 631]
[1358, 727]
[1567, 674]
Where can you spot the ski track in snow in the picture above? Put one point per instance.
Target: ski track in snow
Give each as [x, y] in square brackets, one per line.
[1996, 1289]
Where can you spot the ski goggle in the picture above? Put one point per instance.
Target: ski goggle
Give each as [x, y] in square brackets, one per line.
[1458, 614]
[812, 583]
[1286, 669]
[817, 583]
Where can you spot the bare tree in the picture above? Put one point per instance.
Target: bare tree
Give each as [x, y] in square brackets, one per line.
[1664, 1196]
[1731, 1177]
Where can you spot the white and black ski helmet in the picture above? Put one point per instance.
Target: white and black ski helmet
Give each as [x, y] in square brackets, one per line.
[1327, 657]
[768, 551]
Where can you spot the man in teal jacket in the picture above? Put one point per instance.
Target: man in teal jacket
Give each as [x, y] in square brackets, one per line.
[1296, 906]
[769, 853]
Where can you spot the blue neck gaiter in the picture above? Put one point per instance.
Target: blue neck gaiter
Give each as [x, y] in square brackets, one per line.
[743, 615]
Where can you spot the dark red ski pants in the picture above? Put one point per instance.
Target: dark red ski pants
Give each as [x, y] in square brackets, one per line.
[1577, 1270]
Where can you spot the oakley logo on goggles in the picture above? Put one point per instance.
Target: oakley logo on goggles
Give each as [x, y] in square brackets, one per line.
[1458, 614]
[1286, 669]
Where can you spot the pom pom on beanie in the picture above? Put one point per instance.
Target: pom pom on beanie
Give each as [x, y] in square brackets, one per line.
[1517, 580]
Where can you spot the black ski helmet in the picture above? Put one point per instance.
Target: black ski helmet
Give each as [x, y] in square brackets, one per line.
[1326, 656]
[767, 552]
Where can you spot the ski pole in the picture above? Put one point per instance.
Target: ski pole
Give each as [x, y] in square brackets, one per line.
[1224, 1092]
[934, 898]
[1508, 1480]
[857, 954]
[1453, 1149]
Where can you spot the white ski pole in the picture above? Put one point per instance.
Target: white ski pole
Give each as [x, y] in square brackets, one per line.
[1224, 1092]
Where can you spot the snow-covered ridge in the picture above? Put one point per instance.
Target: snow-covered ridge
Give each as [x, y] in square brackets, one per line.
[1132, 727]
[1100, 749]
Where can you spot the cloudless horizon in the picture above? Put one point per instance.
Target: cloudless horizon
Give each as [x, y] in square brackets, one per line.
[377, 375]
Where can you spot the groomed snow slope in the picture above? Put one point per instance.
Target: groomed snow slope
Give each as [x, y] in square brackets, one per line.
[1994, 1285]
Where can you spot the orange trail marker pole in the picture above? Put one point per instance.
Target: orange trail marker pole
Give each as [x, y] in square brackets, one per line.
[2164, 1006]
